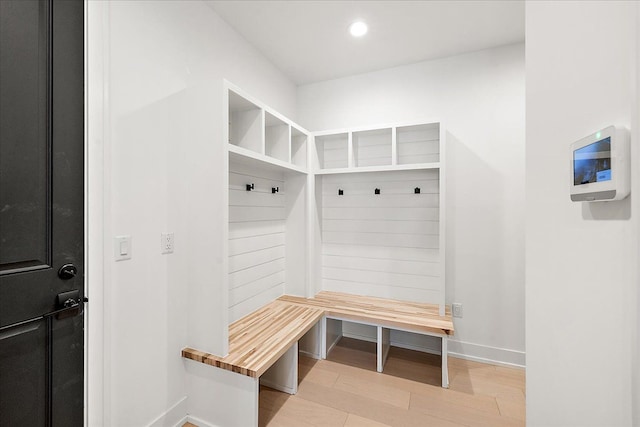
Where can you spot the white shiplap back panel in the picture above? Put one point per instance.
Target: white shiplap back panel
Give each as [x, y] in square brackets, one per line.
[386, 214]
[386, 244]
[399, 293]
[256, 239]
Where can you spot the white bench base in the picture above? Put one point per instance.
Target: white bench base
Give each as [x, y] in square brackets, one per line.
[226, 398]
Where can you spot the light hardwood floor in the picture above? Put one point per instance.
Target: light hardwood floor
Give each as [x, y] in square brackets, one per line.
[345, 390]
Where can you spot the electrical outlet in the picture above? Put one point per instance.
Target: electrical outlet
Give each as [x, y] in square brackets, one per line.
[456, 308]
[166, 243]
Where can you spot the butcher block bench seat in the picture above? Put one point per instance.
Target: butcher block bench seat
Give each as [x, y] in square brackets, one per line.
[388, 313]
[259, 339]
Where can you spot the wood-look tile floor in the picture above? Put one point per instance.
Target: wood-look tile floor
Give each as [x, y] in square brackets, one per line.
[345, 390]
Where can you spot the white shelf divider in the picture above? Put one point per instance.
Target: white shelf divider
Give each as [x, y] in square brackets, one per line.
[350, 161]
[384, 168]
[394, 146]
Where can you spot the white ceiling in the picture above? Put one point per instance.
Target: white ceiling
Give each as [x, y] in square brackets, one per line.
[309, 40]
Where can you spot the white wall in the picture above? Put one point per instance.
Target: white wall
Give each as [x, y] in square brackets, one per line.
[635, 317]
[164, 63]
[581, 259]
[480, 99]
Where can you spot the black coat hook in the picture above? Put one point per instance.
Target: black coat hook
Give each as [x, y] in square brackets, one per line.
[416, 190]
[249, 187]
[275, 190]
[340, 192]
[377, 191]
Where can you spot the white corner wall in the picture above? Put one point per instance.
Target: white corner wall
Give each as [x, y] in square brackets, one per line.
[162, 63]
[480, 99]
[581, 259]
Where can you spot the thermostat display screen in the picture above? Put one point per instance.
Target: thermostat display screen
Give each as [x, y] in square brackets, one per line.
[592, 163]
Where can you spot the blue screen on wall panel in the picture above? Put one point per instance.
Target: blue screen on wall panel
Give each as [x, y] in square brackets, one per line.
[592, 163]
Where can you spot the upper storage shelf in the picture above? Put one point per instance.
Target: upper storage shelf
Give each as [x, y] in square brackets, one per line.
[257, 133]
[412, 146]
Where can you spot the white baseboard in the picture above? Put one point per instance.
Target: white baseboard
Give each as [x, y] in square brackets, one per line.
[184, 420]
[424, 349]
[279, 387]
[487, 354]
[172, 416]
[197, 421]
[359, 337]
[310, 355]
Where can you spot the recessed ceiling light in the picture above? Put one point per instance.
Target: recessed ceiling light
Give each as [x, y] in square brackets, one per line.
[358, 29]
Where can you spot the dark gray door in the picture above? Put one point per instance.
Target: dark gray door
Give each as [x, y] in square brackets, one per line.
[41, 212]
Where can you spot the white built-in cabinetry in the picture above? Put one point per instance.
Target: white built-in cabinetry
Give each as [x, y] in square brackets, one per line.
[267, 194]
[354, 210]
[392, 148]
[379, 212]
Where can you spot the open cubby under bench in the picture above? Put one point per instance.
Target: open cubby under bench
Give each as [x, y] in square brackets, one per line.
[385, 314]
[263, 346]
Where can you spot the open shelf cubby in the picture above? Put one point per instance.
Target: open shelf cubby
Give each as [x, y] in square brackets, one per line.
[245, 123]
[333, 151]
[418, 144]
[372, 147]
[276, 136]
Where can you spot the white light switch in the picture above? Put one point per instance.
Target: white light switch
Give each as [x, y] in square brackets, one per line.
[122, 245]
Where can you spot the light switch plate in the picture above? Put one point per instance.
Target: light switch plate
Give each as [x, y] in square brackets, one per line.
[122, 248]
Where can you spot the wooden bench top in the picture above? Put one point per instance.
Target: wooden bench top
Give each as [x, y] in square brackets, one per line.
[259, 339]
[406, 315]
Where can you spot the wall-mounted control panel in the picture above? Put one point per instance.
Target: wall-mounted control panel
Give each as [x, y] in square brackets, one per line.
[600, 166]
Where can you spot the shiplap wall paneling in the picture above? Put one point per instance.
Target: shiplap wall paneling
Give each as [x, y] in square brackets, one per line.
[418, 144]
[387, 244]
[246, 123]
[299, 144]
[257, 240]
[296, 241]
[372, 147]
[277, 136]
[332, 151]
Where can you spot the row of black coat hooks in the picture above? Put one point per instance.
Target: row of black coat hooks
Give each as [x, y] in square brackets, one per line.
[377, 191]
[251, 187]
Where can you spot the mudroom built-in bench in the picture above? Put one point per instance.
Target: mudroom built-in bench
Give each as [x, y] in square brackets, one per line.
[263, 346]
[325, 228]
